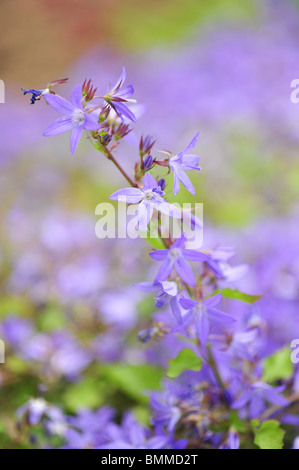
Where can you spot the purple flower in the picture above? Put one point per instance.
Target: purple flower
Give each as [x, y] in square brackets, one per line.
[164, 290]
[219, 266]
[183, 162]
[256, 395]
[132, 435]
[232, 442]
[149, 198]
[177, 257]
[34, 409]
[120, 95]
[88, 428]
[165, 411]
[205, 315]
[35, 94]
[75, 117]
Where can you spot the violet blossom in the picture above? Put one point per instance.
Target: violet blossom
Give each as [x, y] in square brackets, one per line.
[75, 117]
[181, 162]
[177, 257]
[149, 198]
[205, 315]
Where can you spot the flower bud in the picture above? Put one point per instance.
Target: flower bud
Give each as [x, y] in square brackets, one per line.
[146, 145]
[147, 162]
[162, 183]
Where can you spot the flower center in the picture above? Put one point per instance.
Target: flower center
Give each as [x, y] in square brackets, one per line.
[149, 194]
[78, 117]
[175, 253]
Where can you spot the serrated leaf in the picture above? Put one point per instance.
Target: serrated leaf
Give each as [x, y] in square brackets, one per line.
[185, 360]
[269, 435]
[237, 295]
[278, 366]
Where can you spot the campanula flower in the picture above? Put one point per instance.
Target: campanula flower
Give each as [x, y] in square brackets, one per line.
[75, 117]
[150, 197]
[120, 95]
[164, 290]
[37, 94]
[205, 315]
[218, 264]
[181, 162]
[256, 395]
[232, 441]
[177, 257]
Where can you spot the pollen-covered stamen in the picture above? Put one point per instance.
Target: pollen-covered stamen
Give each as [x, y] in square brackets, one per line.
[78, 118]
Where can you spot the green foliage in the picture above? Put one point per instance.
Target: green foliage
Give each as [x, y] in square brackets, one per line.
[134, 380]
[278, 366]
[268, 435]
[52, 318]
[143, 24]
[185, 360]
[237, 295]
[88, 393]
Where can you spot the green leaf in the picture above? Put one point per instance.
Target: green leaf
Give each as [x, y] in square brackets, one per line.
[88, 393]
[278, 366]
[269, 435]
[134, 379]
[185, 360]
[51, 319]
[156, 243]
[237, 295]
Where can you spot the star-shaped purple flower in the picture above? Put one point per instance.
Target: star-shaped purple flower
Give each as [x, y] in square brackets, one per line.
[256, 395]
[148, 198]
[166, 290]
[177, 257]
[205, 315]
[75, 117]
[184, 162]
[120, 95]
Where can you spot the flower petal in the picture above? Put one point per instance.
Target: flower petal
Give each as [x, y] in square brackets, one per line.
[159, 255]
[122, 109]
[166, 208]
[193, 255]
[191, 144]
[59, 104]
[220, 317]
[90, 124]
[212, 301]
[76, 97]
[187, 304]
[149, 182]
[184, 271]
[185, 180]
[145, 213]
[170, 288]
[61, 125]
[129, 195]
[202, 328]
[75, 137]
[165, 270]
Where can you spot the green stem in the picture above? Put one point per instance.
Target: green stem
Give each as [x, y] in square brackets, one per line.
[213, 364]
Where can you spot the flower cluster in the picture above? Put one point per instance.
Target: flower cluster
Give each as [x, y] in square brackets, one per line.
[216, 393]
